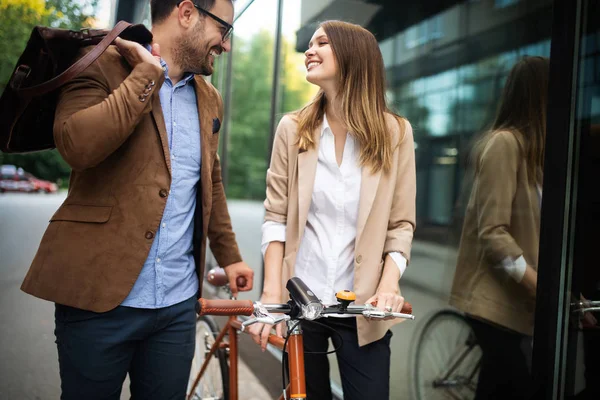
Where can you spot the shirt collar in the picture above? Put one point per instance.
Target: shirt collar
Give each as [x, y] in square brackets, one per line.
[187, 76]
[326, 128]
[325, 125]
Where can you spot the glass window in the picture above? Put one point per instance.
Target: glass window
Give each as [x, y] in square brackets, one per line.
[247, 137]
[504, 3]
[424, 32]
[387, 51]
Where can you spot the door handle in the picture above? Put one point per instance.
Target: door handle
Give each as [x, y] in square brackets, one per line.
[584, 306]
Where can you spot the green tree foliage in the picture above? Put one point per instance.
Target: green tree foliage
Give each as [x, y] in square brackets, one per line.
[72, 14]
[248, 143]
[18, 18]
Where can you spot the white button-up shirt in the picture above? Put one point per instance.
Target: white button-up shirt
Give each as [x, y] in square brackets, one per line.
[325, 259]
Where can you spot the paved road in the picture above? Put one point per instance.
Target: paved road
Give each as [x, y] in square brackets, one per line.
[29, 367]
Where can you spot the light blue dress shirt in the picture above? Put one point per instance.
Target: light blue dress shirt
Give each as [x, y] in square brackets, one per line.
[169, 274]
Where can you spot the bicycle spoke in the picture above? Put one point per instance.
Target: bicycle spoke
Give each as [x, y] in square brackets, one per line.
[210, 385]
[446, 359]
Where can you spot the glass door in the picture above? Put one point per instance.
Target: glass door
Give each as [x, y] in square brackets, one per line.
[566, 357]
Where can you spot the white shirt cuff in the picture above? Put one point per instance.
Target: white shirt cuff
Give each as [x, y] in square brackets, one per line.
[515, 268]
[400, 261]
[271, 232]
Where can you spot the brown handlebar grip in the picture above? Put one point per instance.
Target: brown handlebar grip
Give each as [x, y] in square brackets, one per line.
[407, 308]
[241, 281]
[224, 307]
[217, 277]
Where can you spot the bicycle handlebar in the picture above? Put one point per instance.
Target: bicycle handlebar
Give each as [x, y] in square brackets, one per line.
[303, 304]
[247, 307]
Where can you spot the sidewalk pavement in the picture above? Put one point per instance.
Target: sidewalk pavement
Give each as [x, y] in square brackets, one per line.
[249, 386]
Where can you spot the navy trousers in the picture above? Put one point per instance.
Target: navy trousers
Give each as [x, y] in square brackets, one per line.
[97, 350]
[365, 371]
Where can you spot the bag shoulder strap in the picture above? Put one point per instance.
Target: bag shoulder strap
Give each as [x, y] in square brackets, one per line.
[77, 67]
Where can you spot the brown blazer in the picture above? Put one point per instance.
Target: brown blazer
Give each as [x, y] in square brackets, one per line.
[98, 240]
[502, 220]
[386, 216]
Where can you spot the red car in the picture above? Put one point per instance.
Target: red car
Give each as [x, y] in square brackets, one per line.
[40, 185]
[13, 179]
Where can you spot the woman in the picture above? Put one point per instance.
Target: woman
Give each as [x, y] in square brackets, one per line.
[496, 274]
[340, 208]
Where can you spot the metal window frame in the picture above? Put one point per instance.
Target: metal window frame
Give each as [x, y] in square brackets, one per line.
[560, 192]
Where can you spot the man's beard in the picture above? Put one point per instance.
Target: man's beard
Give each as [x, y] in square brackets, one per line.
[188, 54]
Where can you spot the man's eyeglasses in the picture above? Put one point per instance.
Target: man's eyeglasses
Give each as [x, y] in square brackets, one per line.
[228, 28]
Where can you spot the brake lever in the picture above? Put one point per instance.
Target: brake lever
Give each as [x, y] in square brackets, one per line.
[263, 316]
[269, 320]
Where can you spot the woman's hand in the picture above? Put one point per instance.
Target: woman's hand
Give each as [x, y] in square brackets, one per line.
[529, 281]
[588, 320]
[387, 298]
[389, 301]
[260, 332]
[271, 292]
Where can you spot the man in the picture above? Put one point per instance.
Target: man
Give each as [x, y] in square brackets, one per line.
[123, 257]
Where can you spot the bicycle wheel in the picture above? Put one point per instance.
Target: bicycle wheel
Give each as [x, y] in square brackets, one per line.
[446, 364]
[214, 384]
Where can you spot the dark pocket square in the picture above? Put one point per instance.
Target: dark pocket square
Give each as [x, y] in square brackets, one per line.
[216, 125]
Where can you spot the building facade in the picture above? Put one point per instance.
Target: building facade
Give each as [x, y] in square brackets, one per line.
[446, 63]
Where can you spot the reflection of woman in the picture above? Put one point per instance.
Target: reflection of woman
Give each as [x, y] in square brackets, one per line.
[496, 273]
[340, 208]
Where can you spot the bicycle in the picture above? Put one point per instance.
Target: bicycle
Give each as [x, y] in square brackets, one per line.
[446, 358]
[213, 350]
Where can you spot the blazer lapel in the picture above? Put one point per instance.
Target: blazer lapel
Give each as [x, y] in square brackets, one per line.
[205, 117]
[368, 190]
[307, 168]
[159, 120]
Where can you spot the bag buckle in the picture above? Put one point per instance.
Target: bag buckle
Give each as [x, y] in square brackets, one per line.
[23, 69]
[21, 73]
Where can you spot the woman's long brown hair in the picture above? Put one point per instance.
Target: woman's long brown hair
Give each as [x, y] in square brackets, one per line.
[522, 110]
[361, 88]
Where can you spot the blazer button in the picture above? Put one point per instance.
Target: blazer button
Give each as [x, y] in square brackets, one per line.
[359, 259]
[149, 235]
[163, 193]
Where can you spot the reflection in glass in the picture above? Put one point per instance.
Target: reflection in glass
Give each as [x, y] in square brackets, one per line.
[496, 273]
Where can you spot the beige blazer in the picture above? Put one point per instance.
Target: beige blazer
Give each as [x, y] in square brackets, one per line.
[116, 142]
[386, 216]
[502, 220]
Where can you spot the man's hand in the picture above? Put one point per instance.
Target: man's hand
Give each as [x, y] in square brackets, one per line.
[136, 54]
[240, 269]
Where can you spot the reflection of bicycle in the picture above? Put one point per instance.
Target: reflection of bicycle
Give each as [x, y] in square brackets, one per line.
[446, 358]
[212, 379]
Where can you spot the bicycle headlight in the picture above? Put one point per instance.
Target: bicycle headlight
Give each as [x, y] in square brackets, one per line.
[312, 310]
[309, 304]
